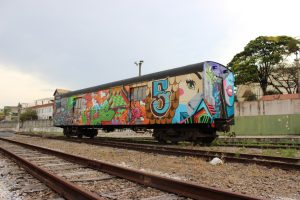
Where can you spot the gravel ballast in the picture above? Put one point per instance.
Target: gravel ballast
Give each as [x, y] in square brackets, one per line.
[251, 179]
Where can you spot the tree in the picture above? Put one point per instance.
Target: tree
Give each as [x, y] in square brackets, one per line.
[284, 78]
[7, 111]
[257, 61]
[29, 114]
[2, 116]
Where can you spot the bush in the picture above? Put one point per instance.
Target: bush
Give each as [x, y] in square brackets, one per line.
[249, 96]
[271, 92]
[29, 114]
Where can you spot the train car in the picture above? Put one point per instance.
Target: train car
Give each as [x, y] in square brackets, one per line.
[188, 103]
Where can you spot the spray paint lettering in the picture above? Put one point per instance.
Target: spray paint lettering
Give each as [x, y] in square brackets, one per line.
[161, 103]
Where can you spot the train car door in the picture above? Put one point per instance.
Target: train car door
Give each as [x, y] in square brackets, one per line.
[77, 106]
[137, 105]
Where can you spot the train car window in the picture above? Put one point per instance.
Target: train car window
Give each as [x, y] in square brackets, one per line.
[139, 93]
[78, 103]
[57, 104]
[144, 88]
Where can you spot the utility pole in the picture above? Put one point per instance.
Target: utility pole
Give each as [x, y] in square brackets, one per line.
[19, 113]
[140, 66]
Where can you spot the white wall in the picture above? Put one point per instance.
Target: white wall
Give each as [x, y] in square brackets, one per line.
[274, 107]
[44, 112]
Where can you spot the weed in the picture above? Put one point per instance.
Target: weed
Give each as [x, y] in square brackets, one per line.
[269, 152]
[289, 153]
[239, 151]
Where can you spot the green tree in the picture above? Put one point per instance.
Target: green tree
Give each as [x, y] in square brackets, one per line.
[29, 114]
[257, 61]
[7, 111]
[2, 116]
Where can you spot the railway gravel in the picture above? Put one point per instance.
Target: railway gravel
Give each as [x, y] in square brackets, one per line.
[267, 183]
[17, 184]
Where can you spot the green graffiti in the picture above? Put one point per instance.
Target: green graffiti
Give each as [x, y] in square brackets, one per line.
[84, 119]
[204, 118]
[210, 74]
[70, 103]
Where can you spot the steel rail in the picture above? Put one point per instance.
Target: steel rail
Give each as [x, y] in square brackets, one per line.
[189, 190]
[269, 161]
[154, 142]
[260, 146]
[61, 186]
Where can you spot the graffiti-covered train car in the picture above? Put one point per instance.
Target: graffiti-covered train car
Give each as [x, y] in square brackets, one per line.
[187, 103]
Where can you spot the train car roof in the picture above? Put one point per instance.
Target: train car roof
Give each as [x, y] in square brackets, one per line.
[148, 77]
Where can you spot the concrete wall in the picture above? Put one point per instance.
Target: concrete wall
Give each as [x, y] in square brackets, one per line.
[275, 107]
[267, 125]
[31, 126]
[276, 117]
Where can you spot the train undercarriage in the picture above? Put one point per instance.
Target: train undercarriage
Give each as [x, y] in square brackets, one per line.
[197, 136]
[80, 132]
[164, 135]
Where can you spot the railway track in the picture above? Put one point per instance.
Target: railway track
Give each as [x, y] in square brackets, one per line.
[76, 177]
[269, 161]
[261, 146]
[16, 182]
[220, 142]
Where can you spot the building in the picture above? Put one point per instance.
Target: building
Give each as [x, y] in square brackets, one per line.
[44, 111]
[43, 108]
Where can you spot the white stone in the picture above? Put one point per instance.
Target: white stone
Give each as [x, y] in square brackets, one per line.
[216, 161]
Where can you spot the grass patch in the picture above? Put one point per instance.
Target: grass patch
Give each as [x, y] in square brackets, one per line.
[287, 153]
[239, 151]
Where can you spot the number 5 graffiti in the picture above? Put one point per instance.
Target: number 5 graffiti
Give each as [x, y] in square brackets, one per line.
[161, 98]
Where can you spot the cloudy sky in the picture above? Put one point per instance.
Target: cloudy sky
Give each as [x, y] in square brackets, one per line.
[73, 44]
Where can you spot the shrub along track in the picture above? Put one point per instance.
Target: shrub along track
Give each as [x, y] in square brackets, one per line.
[269, 161]
[50, 166]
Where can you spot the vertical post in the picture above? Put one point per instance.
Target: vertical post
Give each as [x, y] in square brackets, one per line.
[140, 66]
[19, 113]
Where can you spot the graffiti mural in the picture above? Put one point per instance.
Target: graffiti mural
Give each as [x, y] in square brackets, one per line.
[161, 98]
[219, 89]
[198, 97]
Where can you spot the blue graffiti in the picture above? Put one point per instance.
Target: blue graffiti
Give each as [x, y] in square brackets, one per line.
[161, 103]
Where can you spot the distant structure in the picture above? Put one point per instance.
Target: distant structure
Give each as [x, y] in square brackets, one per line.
[43, 108]
[11, 113]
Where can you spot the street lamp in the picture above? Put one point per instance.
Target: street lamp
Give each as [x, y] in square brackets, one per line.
[140, 66]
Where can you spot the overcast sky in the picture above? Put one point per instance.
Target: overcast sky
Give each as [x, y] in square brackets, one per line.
[74, 44]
